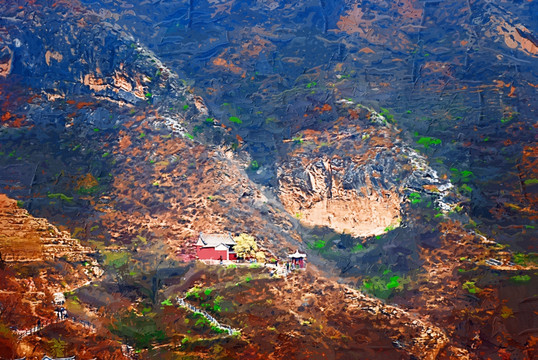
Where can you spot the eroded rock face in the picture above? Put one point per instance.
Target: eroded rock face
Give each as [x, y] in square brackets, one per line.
[24, 238]
[6, 61]
[176, 188]
[354, 176]
[343, 178]
[338, 194]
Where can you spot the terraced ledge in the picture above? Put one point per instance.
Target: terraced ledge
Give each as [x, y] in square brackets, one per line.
[229, 330]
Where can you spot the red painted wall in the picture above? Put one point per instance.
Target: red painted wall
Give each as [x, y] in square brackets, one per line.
[210, 253]
[233, 256]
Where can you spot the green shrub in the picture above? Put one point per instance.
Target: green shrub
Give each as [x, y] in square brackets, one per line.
[428, 141]
[358, 247]
[57, 347]
[61, 196]
[194, 292]
[254, 165]
[383, 286]
[471, 287]
[525, 259]
[217, 329]
[201, 322]
[521, 278]
[415, 198]
[167, 302]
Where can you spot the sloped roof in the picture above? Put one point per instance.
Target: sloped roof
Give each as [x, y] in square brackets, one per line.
[213, 240]
[221, 247]
[297, 255]
[59, 296]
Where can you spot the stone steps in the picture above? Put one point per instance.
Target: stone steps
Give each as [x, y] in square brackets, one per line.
[229, 330]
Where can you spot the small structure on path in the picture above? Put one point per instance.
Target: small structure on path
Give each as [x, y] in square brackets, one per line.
[297, 260]
[59, 298]
[215, 247]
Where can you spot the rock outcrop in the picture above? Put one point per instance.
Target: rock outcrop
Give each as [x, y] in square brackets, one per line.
[24, 238]
[354, 176]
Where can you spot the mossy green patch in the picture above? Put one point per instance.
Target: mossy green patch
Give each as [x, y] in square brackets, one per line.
[415, 198]
[521, 278]
[60, 196]
[116, 259]
[428, 141]
[358, 247]
[393, 283]
[235, 120]
[471, 287]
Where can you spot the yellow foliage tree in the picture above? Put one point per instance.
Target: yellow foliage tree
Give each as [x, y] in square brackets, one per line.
[245, 246]
[260, 256]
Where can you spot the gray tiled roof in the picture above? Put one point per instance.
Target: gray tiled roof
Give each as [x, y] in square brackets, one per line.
[212, 240]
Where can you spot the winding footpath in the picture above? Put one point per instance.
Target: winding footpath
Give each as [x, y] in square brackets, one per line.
[229, 330]
[24, 333]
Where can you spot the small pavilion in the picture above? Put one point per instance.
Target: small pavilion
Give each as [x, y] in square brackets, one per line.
[298, 260]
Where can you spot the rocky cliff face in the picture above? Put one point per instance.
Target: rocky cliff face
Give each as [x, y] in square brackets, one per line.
[332, 180]
[59, 60]
[354, 175]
